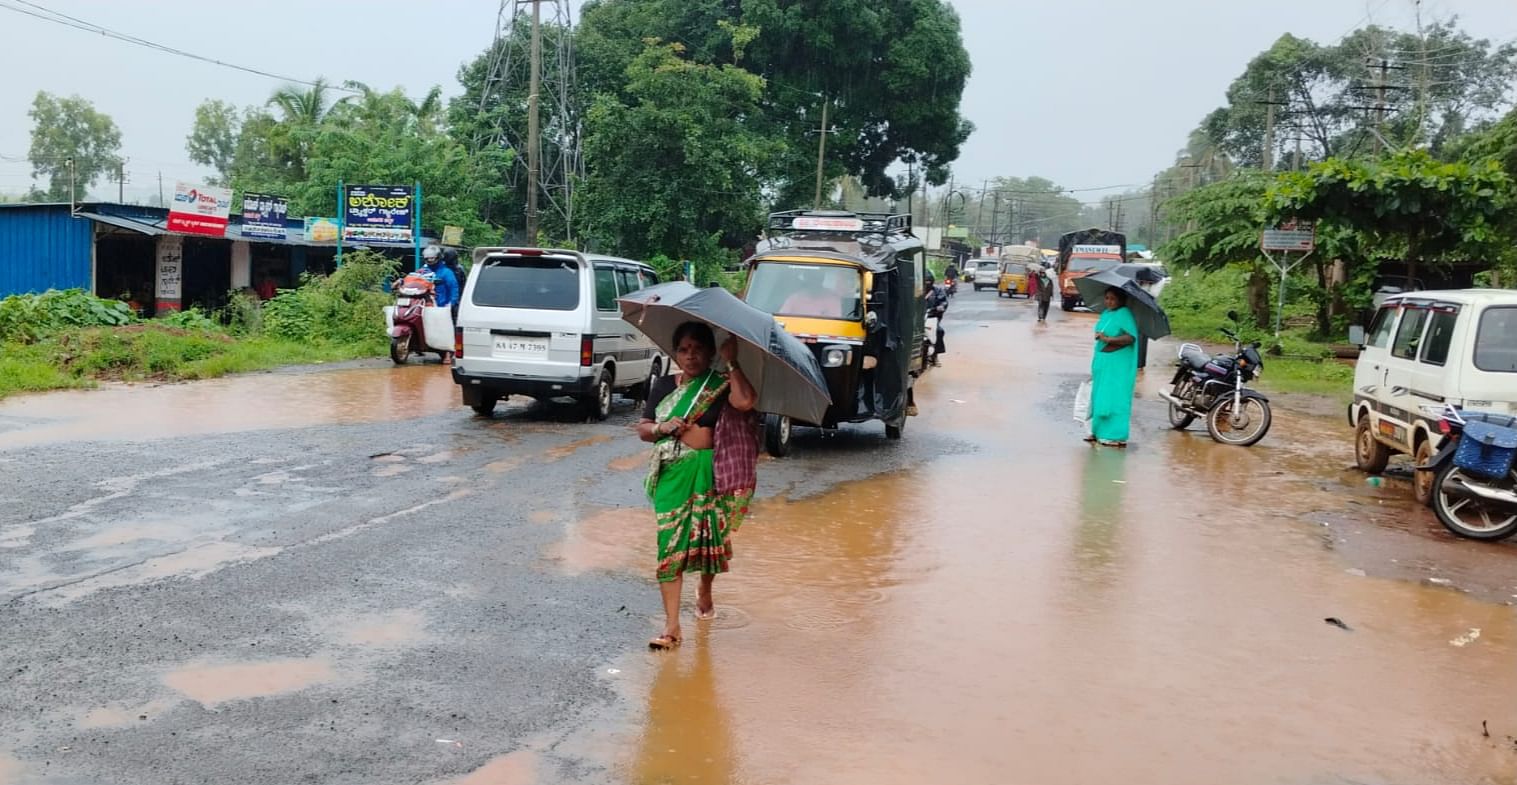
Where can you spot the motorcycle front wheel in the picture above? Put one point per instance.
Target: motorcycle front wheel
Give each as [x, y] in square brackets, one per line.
[400, 350]
[1243, 428]
[1468, 515]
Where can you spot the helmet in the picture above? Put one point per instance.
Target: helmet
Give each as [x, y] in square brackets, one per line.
[931, 280]
[431, 252]
[449, 257]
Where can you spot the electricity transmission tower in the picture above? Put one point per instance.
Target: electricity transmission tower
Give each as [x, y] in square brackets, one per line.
[547, 149]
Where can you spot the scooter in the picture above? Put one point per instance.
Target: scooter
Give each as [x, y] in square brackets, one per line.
[414, 294]
[1475, 474]
[1212, 387]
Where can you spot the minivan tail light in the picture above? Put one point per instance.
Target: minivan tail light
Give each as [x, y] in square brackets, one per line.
[458, 343]
[586, 351]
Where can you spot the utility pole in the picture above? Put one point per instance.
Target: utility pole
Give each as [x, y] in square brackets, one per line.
[821, 155]
[161, 203]
[73, 187]
[979, 219]
[534, 122]
[1269, 132]
[121, 181]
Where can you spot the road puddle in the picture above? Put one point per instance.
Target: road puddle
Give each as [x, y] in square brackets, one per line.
[104, 717]
[1075, 615]
[395, 628]
[214, 683]
[563, 451]
[231, 404]
[637, 461]
[516, 768]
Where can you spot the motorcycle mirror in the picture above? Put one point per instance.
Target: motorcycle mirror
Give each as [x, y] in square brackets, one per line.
[871, 320]
[1232, 315]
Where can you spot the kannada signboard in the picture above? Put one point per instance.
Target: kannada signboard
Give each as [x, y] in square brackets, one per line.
[199, 210]
[378, 213]
[1297, 236]
[263, 216]
[169, 270]
[321, 230]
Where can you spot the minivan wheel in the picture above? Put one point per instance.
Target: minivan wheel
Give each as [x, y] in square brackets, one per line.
[1067, 304]
[598, 405]
[1369, 453]
[1422, 479]
[777, 432]
[485, 406]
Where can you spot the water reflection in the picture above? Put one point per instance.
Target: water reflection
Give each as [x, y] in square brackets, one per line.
[686, 737]
[1102, 487]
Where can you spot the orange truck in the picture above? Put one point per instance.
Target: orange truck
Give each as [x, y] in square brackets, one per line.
[1083, 253]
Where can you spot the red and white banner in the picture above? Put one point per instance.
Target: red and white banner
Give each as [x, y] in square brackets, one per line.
[199, 210]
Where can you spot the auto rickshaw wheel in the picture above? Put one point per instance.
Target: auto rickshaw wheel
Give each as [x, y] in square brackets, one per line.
[893, 432]
[777, 433]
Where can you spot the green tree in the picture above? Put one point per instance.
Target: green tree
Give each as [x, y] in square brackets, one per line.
[1409, 203]
[673, 166]
[1220, 226]
[213, 138]
[71, 141]
[890, 72]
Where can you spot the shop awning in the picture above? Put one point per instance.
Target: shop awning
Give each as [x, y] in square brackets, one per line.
[121, 222]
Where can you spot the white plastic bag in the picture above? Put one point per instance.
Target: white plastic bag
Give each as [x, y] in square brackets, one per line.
[438, 323]
[1082, 403]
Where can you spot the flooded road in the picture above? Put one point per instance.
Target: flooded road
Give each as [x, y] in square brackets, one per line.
[988, 600]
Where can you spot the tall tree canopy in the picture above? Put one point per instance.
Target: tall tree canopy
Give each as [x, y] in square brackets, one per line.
[891, 73]
[71, 141]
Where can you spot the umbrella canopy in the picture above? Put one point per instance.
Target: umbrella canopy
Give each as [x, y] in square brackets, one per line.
[783, 371]
[1152, 321]
[1141, 273]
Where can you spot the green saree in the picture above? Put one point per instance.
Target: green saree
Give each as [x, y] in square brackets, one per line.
[695, 522]
[1113, 375]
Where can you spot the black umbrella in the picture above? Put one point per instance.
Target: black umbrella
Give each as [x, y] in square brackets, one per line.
[783, 371]
[1151, 319]
[1141, 273]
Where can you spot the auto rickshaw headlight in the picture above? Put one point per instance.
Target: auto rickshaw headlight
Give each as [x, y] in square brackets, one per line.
[835, 356]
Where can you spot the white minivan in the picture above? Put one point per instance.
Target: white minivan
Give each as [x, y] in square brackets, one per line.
[1425, 350]
[544, 323]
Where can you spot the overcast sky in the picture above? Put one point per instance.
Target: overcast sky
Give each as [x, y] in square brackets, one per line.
[1106, 103]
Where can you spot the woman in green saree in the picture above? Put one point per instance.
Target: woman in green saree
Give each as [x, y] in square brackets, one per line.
[701, 439]
[1113, 372]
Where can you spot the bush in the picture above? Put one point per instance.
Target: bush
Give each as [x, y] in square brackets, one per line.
[191, 319]
[344, 307]
[28, 318]
[243, 313]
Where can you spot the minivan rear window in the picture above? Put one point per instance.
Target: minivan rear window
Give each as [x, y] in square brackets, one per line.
[542, 283]
[1496, 340]
[1440, 336]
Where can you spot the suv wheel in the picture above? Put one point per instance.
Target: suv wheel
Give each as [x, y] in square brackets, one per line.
[598, 405]
[1369, 453]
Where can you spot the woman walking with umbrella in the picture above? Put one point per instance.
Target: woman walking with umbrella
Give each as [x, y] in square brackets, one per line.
[700, 425]
[1113, 371]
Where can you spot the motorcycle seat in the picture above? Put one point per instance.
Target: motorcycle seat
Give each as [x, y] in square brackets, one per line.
[1195, 359]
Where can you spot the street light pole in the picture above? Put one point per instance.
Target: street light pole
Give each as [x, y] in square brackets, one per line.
[821, 156]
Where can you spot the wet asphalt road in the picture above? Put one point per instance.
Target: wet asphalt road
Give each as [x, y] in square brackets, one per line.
[344, 577]
[323, 603]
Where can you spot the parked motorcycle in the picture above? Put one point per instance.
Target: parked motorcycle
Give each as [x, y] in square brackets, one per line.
[414, 296]
[1213, 388]
[1475, 480]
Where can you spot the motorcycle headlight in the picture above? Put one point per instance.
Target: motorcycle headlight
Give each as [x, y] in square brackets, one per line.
[835, 356]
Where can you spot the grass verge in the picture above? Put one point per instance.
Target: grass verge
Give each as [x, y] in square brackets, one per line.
[139, 352]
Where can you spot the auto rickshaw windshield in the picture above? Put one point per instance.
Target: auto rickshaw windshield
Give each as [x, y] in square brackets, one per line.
[818, 291]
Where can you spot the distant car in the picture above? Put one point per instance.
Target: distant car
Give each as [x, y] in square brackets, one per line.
[982, 273]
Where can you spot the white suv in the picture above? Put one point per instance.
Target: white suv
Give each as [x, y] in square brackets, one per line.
[1425, 350]
[545, 323]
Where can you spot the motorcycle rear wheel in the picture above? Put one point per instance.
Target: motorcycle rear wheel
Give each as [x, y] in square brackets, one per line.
[1473, 518]
[1179, 418]
[1253, 421]
[400, 350]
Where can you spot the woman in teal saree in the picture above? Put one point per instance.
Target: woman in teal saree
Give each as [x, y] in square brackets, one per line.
[1113, 372]
[702, 439]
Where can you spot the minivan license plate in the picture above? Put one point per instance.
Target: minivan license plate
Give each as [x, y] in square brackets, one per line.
[511, 346]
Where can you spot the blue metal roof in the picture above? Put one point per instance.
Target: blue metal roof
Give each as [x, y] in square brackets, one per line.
[44, 247]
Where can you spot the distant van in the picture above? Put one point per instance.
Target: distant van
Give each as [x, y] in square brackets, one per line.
[545, 323]
[1425, 350]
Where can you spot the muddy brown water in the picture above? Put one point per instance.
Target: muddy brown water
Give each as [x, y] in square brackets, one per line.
[1039, 611]
[1028, 609]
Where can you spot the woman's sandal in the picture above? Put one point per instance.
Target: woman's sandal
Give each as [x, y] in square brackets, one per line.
[664, 643]
[1118, 445]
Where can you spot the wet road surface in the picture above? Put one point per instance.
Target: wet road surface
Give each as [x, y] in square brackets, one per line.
[344, 577]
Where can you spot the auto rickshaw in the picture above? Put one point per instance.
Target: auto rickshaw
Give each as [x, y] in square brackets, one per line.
[1014, 279]
[851, 286]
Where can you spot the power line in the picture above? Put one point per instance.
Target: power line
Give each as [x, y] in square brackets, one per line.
[49, 15]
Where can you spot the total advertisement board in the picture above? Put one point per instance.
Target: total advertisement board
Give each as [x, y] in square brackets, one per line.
[199, 209]
[378, 213]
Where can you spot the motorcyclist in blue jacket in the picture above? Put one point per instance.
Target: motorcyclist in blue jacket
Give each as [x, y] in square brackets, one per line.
[447, 283]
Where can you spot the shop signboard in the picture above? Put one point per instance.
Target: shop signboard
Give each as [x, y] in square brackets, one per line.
[263, 216]
[378, 213]
[321, 230]
[199, 209]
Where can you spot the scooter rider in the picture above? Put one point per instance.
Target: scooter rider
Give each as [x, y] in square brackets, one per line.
[447, 283]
